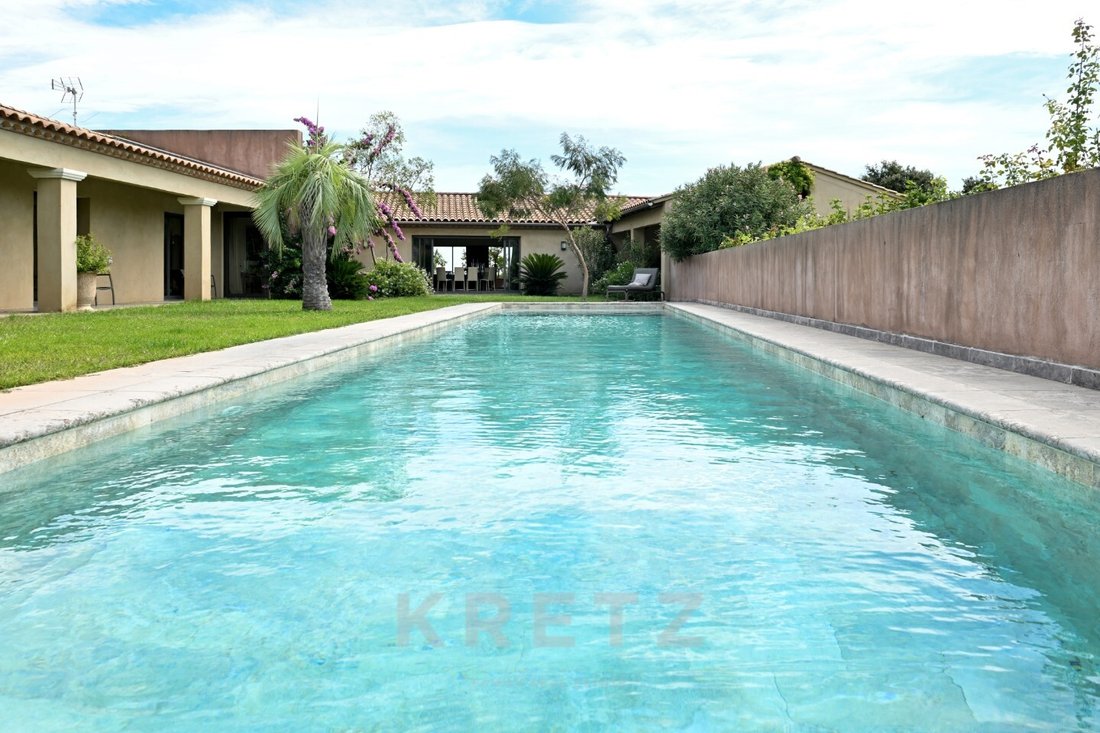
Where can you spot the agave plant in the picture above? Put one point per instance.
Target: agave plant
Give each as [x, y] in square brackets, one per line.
[541, 274]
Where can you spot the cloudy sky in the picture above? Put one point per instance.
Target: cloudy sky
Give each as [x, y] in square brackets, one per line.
[677, 86]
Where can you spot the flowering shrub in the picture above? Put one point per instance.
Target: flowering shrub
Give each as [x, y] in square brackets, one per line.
[619, 275]
[396, 280]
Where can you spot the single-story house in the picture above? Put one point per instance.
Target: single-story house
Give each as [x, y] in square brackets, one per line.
[174, 207]
[454, 226]
[642, 221]
[174, 222]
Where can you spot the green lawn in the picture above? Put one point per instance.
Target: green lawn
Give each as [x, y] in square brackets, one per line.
[39, 348]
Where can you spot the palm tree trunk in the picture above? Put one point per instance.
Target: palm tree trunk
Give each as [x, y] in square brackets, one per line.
[314, 286]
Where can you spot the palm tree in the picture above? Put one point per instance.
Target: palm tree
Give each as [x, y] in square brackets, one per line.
[314, 193]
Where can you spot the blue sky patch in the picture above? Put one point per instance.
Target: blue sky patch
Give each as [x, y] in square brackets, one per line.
[136, 13]
[1011, 79]
[143, 12]
[537, 11]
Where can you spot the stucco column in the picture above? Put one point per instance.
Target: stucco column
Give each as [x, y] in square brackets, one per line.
[57, 237]
[196, 247]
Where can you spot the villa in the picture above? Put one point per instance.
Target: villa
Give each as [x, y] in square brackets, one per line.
[843, 479]
[174, 208]
[168, 218]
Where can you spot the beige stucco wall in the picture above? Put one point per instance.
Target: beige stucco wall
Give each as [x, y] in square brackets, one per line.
[35, 151]
[124, 202]
[249, 151]
[1015, 271]
[16, 237]
[649, 216]
[130, 222]
[531, 240]
[829, 186]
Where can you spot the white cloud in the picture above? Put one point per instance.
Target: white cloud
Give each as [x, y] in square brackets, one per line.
[679, 86]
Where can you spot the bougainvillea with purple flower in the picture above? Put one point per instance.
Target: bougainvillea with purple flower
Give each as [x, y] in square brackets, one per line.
[377, 155]
[317, 137]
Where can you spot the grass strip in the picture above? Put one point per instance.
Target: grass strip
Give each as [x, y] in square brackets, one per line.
[41, 348]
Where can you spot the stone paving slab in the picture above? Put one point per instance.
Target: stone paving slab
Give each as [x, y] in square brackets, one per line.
[1053, 424]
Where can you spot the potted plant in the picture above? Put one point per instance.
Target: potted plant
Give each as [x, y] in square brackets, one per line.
[92, 258]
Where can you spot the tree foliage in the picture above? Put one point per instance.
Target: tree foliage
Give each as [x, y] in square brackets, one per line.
[796, 173]
[520, 189]
[378, 155]
[1073, 136]
[728, 201]
[893, 175]
[315, 195]
[599, 252]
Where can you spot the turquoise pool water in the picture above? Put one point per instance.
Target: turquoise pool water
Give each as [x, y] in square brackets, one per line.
[503, 528]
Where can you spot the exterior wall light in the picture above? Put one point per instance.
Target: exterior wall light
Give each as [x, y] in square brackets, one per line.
[564, 246]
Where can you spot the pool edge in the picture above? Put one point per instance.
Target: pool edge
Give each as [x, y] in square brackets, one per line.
[194, 381]
[957, 410]
[116, 401]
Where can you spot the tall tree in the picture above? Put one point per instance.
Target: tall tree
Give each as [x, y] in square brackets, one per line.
[893, 175]
[314, 194]
[378, 154]
[521, 189]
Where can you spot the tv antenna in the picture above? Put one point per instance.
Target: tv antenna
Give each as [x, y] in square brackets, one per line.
[69, 89]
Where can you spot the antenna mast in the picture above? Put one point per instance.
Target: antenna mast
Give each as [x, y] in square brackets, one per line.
[69, 89]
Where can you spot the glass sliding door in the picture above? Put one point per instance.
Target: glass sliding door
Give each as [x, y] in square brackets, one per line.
[510, 252]
[422, 254]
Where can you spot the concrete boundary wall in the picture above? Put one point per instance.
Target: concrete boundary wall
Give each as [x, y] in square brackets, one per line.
[1015, 271]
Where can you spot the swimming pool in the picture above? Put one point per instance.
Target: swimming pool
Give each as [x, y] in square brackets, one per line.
[620, 523]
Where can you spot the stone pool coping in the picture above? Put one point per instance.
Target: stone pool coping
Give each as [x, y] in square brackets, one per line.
[1052, 424]
[1048, 423]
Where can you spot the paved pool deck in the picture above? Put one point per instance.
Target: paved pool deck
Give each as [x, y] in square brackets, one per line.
[1052, 424]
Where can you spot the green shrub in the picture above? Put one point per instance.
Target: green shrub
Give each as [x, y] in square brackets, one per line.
[726, 202]
[346, 280]
[796, 173]
[390, 279]
[282, 274]
[641, 253]
[91, 255]
[620, 275]
[541, 274]
[599, 253]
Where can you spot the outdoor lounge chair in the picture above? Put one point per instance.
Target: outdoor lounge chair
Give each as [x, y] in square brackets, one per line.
[645, 281]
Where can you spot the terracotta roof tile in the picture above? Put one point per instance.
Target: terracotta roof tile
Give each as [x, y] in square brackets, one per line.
[26, 123]
[640, 203]
[461, 208]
